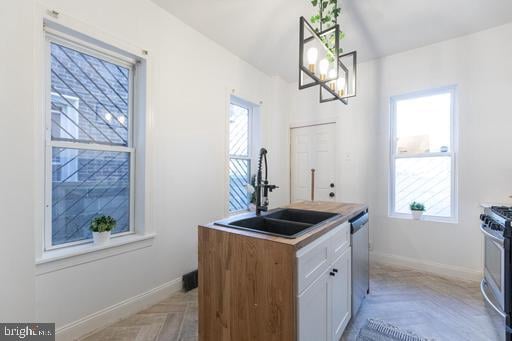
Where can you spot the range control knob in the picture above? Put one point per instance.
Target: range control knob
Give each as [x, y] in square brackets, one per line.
[495, 226]
[482, 217]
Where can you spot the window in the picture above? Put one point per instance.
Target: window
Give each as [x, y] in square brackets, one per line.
[90, 153]
[241, 152]
[423, 153]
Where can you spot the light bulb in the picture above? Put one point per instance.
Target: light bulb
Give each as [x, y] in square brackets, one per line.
[108, 117]
[122, 119]
[312, 57]
[323, 66]
[340, 86]
[332, 75]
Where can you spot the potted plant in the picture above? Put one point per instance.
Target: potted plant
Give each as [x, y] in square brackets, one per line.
[417, 209]
[101, 228]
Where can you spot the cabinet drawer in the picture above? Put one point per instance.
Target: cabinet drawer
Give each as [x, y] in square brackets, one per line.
[315, 258]
[339, 241]
[312, 261]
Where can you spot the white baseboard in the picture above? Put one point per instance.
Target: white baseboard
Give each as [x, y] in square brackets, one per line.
[427, 266]
[109, 315]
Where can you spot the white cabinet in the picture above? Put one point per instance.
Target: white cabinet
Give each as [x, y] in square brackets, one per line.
[324, 289]
[314, 310]
[340, 294]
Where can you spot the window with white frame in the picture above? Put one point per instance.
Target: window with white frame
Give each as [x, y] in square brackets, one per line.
[89, 151]
[241, 151]
[423, 147]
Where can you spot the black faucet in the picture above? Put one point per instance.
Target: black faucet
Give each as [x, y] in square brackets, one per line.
[262, 202]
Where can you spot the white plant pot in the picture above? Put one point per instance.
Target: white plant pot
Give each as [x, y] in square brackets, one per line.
[100, 238]
[417, 215]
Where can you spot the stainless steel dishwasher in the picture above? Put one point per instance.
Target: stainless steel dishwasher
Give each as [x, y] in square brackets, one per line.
[359, 237]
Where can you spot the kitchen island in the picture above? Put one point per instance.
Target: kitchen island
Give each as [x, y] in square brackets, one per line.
[254, 286]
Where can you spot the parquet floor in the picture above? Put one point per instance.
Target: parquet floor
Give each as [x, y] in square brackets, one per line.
[172, 319]
[432, 306]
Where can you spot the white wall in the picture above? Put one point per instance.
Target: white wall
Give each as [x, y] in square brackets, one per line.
[191, 80]
[16, 177]
[481, 67]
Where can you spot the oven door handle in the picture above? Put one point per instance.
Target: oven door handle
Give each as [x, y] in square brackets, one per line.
[482, 284]
[496, 239]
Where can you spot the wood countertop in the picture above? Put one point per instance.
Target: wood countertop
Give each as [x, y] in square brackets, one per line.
[346, 210]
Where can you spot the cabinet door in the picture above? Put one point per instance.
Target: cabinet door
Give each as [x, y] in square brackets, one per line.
[314, 311]
[341, 297]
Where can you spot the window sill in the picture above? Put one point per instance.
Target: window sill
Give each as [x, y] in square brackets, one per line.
[235, 213]
[58, 259]
[403, 216]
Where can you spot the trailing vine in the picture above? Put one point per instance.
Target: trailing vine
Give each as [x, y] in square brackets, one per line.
[330, 13]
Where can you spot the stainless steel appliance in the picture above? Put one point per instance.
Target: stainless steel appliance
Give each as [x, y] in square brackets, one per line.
[497, 282]
[359, 239]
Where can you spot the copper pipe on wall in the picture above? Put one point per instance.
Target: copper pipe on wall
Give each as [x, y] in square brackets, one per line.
[312, 184]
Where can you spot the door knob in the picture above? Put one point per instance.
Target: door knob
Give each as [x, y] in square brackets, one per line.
[332, 194]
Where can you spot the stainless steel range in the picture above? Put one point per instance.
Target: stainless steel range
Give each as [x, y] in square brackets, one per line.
[496, 285]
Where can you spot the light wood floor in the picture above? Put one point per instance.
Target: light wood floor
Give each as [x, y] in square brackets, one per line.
[431, 306]
[172, 319]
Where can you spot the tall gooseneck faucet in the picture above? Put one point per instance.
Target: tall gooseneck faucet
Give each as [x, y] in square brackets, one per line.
[262, 184]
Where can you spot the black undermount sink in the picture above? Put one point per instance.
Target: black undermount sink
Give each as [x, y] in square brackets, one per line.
[286, 222]
[300, 216]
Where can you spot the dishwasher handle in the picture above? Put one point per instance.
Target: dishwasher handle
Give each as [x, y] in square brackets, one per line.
[358, 222]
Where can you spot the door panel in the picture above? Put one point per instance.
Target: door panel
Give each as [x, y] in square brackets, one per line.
[324, 161]
[341, 295]
[314, 311]
[300, 164]
[313, 147]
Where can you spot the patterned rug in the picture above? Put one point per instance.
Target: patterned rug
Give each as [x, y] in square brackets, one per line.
[376, 330]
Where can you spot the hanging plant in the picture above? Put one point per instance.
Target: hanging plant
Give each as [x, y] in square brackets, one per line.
[330, 13]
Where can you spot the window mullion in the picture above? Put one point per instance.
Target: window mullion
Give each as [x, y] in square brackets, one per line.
[422, 155]
[91, 146]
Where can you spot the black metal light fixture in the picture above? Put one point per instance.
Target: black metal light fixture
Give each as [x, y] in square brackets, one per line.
[322, 62]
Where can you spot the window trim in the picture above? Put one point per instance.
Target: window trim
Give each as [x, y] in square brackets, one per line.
[452, 153]
[80, 45]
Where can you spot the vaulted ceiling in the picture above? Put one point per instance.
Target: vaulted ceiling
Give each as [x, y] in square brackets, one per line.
[265, 32]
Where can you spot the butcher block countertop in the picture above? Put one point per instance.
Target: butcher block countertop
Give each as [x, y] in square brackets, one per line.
[347, 211]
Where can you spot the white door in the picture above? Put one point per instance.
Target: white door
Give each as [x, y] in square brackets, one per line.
[314, 311]
[313, 148]
[341, 294]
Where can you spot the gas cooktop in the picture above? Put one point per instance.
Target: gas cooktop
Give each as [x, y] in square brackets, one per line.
[503, 211]
[497, 218]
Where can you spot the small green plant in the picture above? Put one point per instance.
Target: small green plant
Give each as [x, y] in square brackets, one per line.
[103, 223]
[417, 206]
